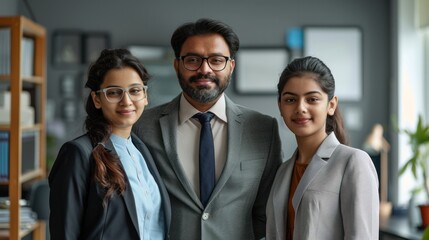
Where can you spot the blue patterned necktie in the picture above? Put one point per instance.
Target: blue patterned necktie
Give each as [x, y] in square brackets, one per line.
[206, 156]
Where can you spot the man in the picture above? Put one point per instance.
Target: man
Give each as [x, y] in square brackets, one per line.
[247, 148]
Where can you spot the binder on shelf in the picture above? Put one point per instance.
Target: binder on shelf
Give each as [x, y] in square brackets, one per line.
[4, 156]
[30, 153]
[27, 62]
[27, 54]
[5, 35]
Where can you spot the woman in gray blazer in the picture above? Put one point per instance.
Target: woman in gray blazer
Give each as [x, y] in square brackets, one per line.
[104, 184]
[326, 190]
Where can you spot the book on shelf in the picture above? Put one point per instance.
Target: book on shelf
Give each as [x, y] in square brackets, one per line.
[4, 155]
[5, 35]
[27, 53]
[29, 153]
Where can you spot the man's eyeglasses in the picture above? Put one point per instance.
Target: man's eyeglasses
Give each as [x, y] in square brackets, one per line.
[193, 63]
[115, 94]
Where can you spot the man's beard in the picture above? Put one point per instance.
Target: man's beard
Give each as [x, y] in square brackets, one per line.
[203, 94]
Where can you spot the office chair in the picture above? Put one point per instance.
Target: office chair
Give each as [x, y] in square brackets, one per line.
[39, 202]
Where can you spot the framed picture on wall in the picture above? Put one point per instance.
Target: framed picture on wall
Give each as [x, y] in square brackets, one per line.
[257, 69]
[71, 85]
[67, 48]
[93, 44]
[69, 110]
[340, 48]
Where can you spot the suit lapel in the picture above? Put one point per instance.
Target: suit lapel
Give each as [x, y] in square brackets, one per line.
[235, 132]
[168, 123]
[280, 197]
[319, 160]
[152, 168]
[310, 173]
[128, 194]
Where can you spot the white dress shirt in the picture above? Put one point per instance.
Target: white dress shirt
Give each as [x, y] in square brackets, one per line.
[188, 138]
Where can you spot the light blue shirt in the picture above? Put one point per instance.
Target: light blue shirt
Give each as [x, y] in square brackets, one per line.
[144, 188]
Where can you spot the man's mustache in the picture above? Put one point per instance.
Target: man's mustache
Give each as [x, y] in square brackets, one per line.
[204, 76]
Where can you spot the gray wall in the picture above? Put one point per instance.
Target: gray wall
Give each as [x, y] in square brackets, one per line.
[8, 7]
[258, 23]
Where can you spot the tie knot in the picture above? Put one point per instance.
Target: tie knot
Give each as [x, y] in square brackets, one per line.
[204, 117]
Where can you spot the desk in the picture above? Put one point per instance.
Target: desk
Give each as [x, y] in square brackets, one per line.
[398, 227]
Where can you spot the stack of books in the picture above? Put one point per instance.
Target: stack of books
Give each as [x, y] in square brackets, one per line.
[27, 216]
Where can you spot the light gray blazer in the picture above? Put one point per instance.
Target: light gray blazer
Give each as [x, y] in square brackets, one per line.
[236, 209]
[337, 197]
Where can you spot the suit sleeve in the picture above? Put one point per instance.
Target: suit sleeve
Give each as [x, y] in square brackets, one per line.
[274, 160]
[68, 181]
[359, 198]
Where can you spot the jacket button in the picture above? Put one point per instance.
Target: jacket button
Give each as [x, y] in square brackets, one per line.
[206, 216]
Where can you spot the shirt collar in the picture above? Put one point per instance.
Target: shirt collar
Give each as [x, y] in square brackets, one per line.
[187, 111]
[120, 140]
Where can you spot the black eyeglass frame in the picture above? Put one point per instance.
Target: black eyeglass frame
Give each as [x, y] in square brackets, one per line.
[202, 60]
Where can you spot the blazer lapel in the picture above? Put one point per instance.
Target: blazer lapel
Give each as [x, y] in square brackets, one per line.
[128, 195]
[152, 168]
[235, 121]
[168, 122]
[319, 160]
[310, 173]
[280, 197]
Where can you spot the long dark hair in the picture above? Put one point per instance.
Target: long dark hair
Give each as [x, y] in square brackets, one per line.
[323, 76]
[108, 172]
[204, 26]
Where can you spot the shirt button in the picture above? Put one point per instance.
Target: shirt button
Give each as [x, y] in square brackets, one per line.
[206, 216]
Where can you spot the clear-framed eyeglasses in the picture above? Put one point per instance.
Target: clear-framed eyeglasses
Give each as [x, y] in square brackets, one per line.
[193, 63]
[115, 94]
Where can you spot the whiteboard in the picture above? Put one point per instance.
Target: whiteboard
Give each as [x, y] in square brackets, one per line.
[258, 69]
[340, 48]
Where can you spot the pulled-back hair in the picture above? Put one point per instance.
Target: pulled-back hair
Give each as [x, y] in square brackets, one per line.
[201, 27]
[323, 76]
[108, 172]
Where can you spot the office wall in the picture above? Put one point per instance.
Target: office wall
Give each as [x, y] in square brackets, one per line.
[8, 7]
[258, 23]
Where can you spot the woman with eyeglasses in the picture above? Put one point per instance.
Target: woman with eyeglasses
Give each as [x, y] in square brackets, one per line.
[104, 184]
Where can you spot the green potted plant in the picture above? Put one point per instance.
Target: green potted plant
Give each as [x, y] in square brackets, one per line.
[418, 163]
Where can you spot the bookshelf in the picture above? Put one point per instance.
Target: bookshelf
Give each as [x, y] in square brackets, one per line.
[25, 70]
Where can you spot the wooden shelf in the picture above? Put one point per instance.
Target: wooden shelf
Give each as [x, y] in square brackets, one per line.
[27, 176]
[34, 127]
[33, 79]
[28, 79]
[37, 230]
[21, 27]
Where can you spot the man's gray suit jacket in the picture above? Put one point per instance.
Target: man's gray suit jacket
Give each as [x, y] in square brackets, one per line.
[236, 209]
